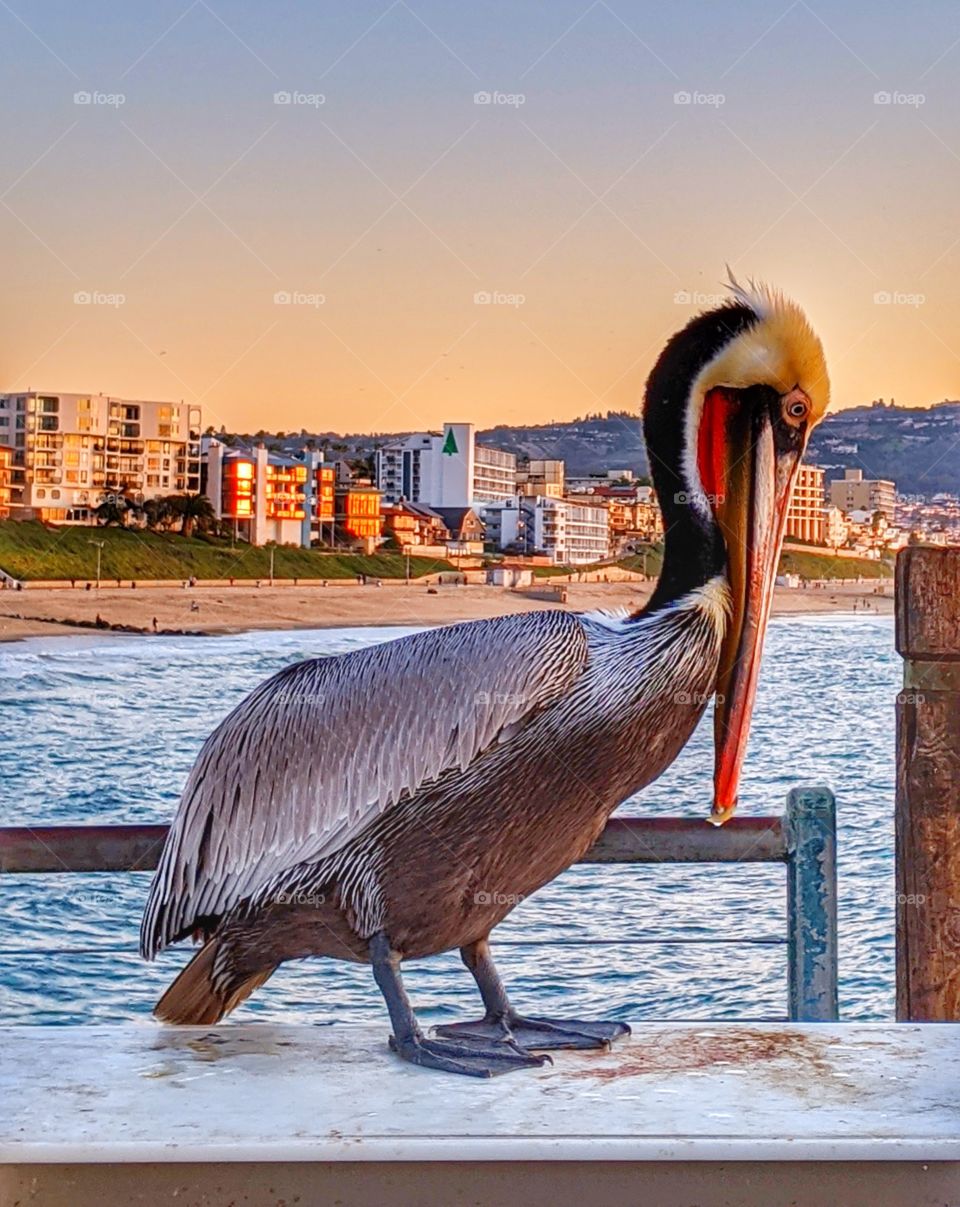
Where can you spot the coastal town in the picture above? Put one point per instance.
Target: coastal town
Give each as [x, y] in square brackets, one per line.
[88, 460]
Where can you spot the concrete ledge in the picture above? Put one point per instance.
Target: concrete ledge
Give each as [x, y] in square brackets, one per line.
[673, 1093]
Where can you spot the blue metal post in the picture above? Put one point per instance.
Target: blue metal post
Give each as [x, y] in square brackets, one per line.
[811, 826]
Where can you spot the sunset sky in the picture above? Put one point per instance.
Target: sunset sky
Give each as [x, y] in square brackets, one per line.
[145, 234]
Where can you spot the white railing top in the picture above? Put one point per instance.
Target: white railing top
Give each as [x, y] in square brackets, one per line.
[686, 1092]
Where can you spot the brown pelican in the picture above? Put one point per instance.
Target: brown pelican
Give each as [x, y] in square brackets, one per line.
[400, 800]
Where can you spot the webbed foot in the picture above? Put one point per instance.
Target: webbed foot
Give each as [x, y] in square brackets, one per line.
[532, 1034]
[470, 1057]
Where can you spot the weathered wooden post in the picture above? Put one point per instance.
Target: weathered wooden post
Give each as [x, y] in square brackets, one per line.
[928, 785]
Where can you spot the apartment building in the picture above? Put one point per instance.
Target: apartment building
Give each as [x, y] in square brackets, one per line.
[319, 500]
[260, 493]
[358, 515]
[634, 514]
[570, 532]
[539, 476]
[836, 527]
[445, 469]
[854, 492]
[807, 514]
[6, 471]
[71, 451]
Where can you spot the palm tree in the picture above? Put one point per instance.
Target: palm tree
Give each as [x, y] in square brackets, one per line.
[111, 511]
[158, 513]
[117, 507]
[195, 511]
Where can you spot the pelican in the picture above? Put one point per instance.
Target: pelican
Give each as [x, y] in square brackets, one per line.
[399, 801]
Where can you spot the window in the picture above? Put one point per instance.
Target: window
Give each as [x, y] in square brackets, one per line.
[54, 494]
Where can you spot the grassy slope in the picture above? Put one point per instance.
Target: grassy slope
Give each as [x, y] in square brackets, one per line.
[807, 565]
[32, 551]
[824, 565]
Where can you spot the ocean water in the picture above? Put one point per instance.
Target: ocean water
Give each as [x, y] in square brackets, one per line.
[105, 729]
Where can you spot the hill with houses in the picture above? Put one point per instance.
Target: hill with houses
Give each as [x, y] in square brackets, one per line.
[916, 447]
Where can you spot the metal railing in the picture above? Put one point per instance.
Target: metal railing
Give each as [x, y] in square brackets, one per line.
[803, 839]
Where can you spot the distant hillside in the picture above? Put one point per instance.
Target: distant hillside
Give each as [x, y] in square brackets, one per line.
[918, 447]
[589, 445]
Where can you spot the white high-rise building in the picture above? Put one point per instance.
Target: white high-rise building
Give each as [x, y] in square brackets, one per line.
[445, 469]
[570, 533]
[70, 451]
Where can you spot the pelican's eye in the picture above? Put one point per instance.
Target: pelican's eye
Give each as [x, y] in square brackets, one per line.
[796, 407]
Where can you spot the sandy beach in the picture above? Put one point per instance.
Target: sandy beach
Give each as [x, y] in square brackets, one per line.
[225, 609]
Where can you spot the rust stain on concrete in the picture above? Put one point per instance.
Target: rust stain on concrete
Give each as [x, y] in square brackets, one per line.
[805, 1056]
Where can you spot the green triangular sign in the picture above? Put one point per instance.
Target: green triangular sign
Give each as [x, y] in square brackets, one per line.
[450, 444]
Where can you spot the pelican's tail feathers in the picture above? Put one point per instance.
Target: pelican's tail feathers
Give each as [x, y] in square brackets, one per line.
[199, 997]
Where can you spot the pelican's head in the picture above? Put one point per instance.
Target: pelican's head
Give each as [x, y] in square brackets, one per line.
[730, 406]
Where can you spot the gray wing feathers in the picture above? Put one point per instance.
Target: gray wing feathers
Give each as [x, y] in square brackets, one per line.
[316, 753]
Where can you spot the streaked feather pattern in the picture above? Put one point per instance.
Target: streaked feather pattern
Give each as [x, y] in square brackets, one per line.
[318, 752]
[650, 676]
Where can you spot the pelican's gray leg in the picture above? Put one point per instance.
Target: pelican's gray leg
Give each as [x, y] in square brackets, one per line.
[501, 1021]
[474, 1059]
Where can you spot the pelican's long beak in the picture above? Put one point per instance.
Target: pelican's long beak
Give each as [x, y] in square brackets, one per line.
[752, 516]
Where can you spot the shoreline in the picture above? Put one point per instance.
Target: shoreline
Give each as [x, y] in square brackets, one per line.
[226, 611]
